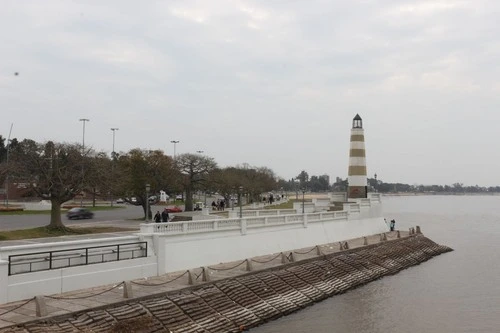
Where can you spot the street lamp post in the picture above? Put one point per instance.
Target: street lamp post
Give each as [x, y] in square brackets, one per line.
[148, 187]
[239, 201]
[7, 175]
[84, 120]
[303, 192]
[114, 129]
[175, 142]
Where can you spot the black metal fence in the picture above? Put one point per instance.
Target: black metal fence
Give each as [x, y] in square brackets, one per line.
[42, 261]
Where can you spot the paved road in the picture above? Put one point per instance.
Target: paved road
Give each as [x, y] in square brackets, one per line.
[125, 216]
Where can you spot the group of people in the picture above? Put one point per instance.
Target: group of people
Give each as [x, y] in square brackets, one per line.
[163, 217]
[219, 205]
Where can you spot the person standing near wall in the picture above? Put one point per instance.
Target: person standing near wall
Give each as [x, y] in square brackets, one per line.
[393, 224]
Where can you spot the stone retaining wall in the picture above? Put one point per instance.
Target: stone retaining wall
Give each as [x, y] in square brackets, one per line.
[239, 303]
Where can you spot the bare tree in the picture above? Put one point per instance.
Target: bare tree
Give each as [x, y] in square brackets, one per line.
[54, 172]
[195, 170]
[253, 180]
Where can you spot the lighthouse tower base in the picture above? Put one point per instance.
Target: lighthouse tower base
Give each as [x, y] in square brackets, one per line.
[356, 192]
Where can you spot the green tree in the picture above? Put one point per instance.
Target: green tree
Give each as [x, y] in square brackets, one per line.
[303, 179]
[139, 167]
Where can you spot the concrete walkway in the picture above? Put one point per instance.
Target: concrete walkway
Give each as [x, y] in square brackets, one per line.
[66, 303]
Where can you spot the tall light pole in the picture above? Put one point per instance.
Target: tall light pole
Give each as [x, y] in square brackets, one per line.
[303, 192]
[114, 129]
[84, 120]
[175, 142]
[239, 201]
[7, 175]
[148, 187]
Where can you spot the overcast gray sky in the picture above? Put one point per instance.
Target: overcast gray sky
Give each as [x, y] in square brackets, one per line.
[268, 83]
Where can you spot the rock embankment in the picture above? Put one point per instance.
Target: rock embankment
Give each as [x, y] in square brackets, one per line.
[239, 303]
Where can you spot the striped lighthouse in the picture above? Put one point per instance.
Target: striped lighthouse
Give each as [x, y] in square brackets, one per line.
[358, 185]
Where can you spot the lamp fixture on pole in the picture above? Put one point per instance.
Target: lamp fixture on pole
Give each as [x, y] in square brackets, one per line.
[175, 142]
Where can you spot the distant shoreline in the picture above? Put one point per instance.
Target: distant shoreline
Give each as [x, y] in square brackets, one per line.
[406, 194]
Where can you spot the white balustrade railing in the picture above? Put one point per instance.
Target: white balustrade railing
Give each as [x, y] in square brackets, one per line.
[259, 219]
[273, 220]
[268, 212]
[340, 215]
[226, 224]
[186, 227]
[256, 222]
[328, 215]
[295, 218]
[313, 217]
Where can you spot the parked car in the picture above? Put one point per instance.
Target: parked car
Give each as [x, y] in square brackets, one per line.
[179, 197]
[79, 213]
[198, 205]
[120, 201]
[174, 209]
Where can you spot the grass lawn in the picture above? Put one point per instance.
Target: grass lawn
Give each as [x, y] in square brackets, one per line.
[47, 212]
[45, 232]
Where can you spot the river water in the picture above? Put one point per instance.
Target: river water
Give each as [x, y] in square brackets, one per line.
[455, 292]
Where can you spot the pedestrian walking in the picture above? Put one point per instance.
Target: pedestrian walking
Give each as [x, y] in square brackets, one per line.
[164, 215]
[157, 217]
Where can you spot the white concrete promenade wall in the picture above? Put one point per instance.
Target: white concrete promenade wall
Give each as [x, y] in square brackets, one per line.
[189, 244]
[184, 245]
[21, 286]
[191, 249]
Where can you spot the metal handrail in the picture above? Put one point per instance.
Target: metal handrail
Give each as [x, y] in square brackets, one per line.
[56, 256]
